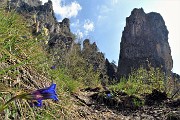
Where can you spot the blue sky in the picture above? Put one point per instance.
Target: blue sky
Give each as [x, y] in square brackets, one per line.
[102, 21]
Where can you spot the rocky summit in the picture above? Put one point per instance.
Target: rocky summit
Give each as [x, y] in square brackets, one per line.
[144, 42]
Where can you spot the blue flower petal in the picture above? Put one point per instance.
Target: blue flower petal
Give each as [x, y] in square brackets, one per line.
[54, 97]
[38, 103]
[53, 86]
[50, 90]
[46, 93]
[109, 95]
[53, 67]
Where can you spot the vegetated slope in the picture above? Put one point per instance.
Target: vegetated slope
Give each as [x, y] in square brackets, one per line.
[25, 66]
[60, 42]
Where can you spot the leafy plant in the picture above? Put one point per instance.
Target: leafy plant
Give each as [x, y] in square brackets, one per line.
[141, 81]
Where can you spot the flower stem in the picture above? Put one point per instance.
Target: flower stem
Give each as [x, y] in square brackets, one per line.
[15, 97]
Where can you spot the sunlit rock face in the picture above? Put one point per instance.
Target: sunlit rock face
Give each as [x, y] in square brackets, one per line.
[144, 40]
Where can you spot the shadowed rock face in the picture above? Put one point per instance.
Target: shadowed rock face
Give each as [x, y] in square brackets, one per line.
[144, 40]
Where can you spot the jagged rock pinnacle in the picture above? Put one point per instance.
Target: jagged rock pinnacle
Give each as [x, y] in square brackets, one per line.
[144, 40]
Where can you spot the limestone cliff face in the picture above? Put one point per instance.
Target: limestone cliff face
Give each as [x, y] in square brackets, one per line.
[144, 39]
[92, 56]
[97, 59]
[42, 18]
[111, 71]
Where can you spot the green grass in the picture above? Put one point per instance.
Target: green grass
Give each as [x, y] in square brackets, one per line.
[143, 81]
[24, 67]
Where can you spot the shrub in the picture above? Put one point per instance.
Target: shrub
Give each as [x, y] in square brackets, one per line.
[141, 81]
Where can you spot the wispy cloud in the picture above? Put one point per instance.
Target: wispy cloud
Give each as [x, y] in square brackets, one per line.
[114, 2]
[104, 9]
[88, 26]
[65, 11]
[82, 29]
[76, 24]
[79, 34]
[101, 19]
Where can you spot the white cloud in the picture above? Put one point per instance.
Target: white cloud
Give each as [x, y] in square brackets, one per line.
[101, 19]
[65, 11]
[43, 1]
[114, 2]
[104, 9]
[88, 26]
[69, 10]
[82, 29]
[75, 24]
[79, 34]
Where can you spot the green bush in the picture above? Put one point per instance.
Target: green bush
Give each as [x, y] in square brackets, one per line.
[79, 69]
[141, 81]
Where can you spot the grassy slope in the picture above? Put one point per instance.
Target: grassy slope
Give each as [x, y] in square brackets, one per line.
[24, 67]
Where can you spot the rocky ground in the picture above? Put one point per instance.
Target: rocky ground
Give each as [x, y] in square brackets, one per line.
[93, 105]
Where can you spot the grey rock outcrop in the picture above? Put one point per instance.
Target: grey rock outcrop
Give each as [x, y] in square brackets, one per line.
[144, 40]
[18, 3]
[43, 16]
[42, 19]
[111, 71]
[92, 56]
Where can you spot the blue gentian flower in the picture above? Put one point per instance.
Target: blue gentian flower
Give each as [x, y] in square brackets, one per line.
[109, 95]
[38, 96]
[53, 67]
[43, 94]
[38, 103]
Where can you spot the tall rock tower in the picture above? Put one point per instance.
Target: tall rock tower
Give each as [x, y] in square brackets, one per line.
[144, 40]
